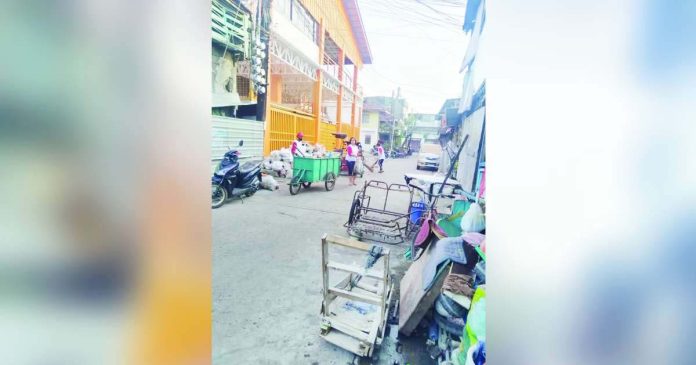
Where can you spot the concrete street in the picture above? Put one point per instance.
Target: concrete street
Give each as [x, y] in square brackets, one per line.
[267, 275]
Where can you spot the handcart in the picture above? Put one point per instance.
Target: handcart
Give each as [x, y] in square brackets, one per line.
[359, 167]
[370, 219]
[354, 311]
[306, 171]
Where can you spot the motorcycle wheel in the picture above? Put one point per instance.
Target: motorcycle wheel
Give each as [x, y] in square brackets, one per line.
[330, 181]
[219, 195]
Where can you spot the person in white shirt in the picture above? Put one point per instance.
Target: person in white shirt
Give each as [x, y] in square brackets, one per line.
[380, 156]
[351, 157]
[298, 147]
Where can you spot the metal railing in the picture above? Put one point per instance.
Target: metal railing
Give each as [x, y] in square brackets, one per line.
[325, 137]
[285, 124]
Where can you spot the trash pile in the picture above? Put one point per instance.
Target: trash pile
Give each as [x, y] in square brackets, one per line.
[279, 163]
[444, 292]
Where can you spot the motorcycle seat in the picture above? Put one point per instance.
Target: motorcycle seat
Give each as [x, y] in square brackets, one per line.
[248, 168]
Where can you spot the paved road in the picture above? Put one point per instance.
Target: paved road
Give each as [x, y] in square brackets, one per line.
[267, 274]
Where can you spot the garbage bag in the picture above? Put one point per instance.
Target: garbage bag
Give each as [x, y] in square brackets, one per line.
[359, 167]
[280, 168]
[267, 164]
[476, 354]
[269, 183]
[473, 220]
[285, 154]
[475, 328]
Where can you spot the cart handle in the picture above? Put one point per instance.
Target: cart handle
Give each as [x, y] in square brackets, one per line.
[432, 195]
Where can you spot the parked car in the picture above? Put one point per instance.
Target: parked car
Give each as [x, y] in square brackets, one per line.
[429, 157]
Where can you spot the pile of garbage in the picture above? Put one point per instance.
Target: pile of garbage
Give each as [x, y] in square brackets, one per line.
[279, 163]
[316, 151]
[445, 293]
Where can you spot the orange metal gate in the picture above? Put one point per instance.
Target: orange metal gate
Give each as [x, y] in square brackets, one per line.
[284, 126]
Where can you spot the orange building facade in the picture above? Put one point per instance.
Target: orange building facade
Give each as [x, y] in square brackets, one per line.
[316, 51]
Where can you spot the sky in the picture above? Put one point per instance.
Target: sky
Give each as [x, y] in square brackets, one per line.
[417, 45]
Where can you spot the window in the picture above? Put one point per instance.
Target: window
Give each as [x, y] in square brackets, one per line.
[301, 18]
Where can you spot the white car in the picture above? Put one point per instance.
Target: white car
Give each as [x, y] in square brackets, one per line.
[428, 161]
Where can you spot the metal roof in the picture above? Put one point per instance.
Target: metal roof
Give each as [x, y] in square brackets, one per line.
[356, 25]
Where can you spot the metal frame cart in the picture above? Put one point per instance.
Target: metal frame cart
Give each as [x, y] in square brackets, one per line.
[374, 221]
[354, 311]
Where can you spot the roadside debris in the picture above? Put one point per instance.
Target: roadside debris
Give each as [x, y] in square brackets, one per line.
[269, 183]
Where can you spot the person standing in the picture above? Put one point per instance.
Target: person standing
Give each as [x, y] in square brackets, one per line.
[298, 147]
[351, 157]
[380, 156]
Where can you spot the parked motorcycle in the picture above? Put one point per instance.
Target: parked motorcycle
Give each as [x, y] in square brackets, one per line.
[232, 180]
[397, 154]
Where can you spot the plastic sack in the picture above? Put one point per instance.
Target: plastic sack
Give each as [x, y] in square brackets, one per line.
[359, 167]
[285, 154]
[275, 155]
[269, 183]
[476, 354]
[473, 220]
[267, 164]
[279, 167]
[475, 328]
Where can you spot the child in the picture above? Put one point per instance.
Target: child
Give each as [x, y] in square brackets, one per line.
[380, 156]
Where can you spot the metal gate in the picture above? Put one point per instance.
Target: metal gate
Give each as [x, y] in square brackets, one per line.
[227, 132]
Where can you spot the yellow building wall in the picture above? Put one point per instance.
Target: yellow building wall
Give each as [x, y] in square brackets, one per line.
[372, 121]
[336, 24]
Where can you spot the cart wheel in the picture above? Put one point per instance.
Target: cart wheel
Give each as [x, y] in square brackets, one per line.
[306, 185]
[354, 214]
[330, 181]
[295, 185]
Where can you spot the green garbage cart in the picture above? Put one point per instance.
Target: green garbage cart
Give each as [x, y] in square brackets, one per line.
[306, 171]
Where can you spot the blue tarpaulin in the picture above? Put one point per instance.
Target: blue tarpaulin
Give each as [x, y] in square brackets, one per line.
[477, 101]
[472, 7]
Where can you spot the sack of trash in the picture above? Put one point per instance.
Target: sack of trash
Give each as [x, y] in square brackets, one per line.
[267, 164]
[280, 167]
[285, 155]
[473, 220]
[269, 183]
[275, 155]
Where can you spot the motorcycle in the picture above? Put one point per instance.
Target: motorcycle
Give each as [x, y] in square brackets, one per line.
[397, 154]
[232, 180]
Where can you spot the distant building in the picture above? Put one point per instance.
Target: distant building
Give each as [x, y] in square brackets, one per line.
[426, 127]
[448, 114]
[381, 117]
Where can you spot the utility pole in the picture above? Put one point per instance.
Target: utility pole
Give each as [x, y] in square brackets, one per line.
[262, 35]
[391, 144]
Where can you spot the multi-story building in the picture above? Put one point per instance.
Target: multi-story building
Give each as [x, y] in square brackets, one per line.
[233, 114]
[316, 50]
[385, 117]
[426, 127]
